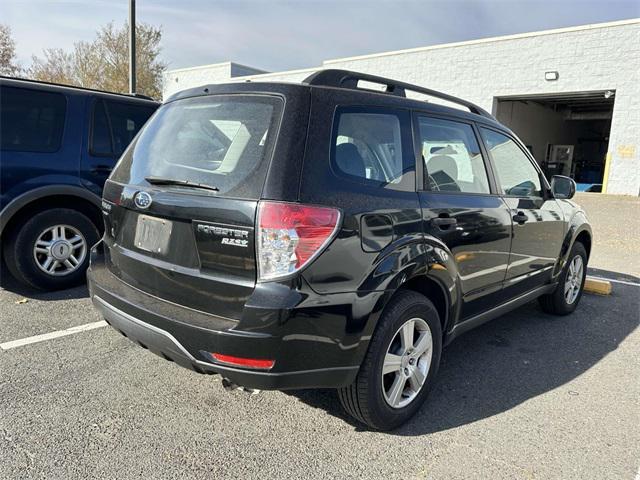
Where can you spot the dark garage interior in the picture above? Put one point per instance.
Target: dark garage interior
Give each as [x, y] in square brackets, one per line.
[568, 134]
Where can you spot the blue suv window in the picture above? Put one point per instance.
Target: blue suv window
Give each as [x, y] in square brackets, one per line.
[114, 126]
[32, 120]
[126, 120]
[101, 133]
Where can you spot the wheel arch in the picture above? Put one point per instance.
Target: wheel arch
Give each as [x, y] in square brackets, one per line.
[433, 274]
[584, 236]
[53, 196]
[434, 291]
[580, 230]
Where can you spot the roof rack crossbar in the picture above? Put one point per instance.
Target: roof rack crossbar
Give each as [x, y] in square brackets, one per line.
[348, 79]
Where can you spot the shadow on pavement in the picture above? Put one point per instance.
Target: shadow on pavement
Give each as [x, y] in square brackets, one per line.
[513, 358]
[7, 282]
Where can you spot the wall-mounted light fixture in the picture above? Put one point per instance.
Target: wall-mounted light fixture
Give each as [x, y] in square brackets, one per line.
[608, 94]
[551, 76]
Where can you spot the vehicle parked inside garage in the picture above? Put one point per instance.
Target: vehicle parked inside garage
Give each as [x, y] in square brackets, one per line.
[326, 234]
[58, 145]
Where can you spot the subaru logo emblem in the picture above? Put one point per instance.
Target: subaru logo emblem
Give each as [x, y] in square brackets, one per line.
[142, 200]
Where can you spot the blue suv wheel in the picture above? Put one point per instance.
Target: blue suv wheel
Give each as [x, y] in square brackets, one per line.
[50, 250]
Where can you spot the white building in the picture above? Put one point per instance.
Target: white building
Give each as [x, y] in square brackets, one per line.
[571, 94]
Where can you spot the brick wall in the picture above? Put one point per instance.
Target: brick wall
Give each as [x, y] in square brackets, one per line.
[593, 57]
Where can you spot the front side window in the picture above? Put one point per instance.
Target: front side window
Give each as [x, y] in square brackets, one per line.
[368, 149]
[516, 174]
[32, 120]
[451, 156]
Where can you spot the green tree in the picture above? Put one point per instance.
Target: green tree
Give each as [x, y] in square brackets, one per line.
[104, 62]
[8, 63]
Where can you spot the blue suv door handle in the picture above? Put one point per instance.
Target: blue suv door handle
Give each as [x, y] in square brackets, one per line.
[102, 169]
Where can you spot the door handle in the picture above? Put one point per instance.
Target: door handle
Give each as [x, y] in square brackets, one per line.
[520, 218]
[102, 169]
[444, 221]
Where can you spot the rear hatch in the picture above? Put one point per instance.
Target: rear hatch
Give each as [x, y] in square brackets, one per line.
[180, 206]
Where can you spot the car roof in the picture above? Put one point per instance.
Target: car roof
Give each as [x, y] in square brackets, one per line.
[331, 80]
[72, 89]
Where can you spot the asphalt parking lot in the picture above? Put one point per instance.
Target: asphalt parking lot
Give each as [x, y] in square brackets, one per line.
[525, 396]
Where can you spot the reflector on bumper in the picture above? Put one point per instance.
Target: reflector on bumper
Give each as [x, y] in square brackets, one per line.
[256, 363]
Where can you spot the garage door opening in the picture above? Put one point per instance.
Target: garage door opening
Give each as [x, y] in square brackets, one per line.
[568, 134]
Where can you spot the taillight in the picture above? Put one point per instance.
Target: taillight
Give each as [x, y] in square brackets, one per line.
[290, 235]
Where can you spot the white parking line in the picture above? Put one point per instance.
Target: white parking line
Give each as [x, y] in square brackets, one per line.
[92, 326]
[51, 335]
[613, 280]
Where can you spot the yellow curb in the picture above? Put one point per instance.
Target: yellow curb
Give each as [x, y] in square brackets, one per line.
[599, 287]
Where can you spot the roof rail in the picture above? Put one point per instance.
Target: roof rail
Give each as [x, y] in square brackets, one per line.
[348, 79]
[76, 87]
[140, 95]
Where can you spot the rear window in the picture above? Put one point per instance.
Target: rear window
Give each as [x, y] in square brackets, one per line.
[220, 141]
[31, 120]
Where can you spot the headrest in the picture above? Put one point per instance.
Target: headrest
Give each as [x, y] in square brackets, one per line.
[349, 160]
[443, 163]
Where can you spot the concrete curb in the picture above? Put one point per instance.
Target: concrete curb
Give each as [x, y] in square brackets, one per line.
[597, 286]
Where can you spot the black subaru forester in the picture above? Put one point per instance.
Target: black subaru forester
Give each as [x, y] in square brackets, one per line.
[333, 233]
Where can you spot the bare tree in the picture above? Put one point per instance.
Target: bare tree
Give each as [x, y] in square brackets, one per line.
[104, 62]
[8, 64]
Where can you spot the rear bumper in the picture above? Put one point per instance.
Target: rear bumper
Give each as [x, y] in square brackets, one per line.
[317, 343]
[164, 344]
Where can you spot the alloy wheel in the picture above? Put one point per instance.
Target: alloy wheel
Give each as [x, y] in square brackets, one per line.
[573, 282]
[60, 250]
[406, 363]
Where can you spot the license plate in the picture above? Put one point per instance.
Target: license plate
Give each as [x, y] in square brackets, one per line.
[153, 234]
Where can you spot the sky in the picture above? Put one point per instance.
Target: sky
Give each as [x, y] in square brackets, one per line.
[282, 35]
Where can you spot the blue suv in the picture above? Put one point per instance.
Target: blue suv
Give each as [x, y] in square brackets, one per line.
[58, 145]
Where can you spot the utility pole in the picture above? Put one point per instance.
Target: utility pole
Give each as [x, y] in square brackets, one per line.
[132, 46]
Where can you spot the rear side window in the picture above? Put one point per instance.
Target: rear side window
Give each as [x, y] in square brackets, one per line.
[100, 132]
[126, 120]
[115, 124]
[452, 157]
[31, 120]
[220, 141]
[516, 174]
[368, 148]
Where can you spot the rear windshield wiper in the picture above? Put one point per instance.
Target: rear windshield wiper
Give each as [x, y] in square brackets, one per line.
[186, 183]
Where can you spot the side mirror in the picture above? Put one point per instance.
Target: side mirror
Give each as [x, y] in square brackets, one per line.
[563, 187]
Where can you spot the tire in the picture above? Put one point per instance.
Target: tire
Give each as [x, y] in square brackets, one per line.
[366, 399]
[559, 302]
[27, 266]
